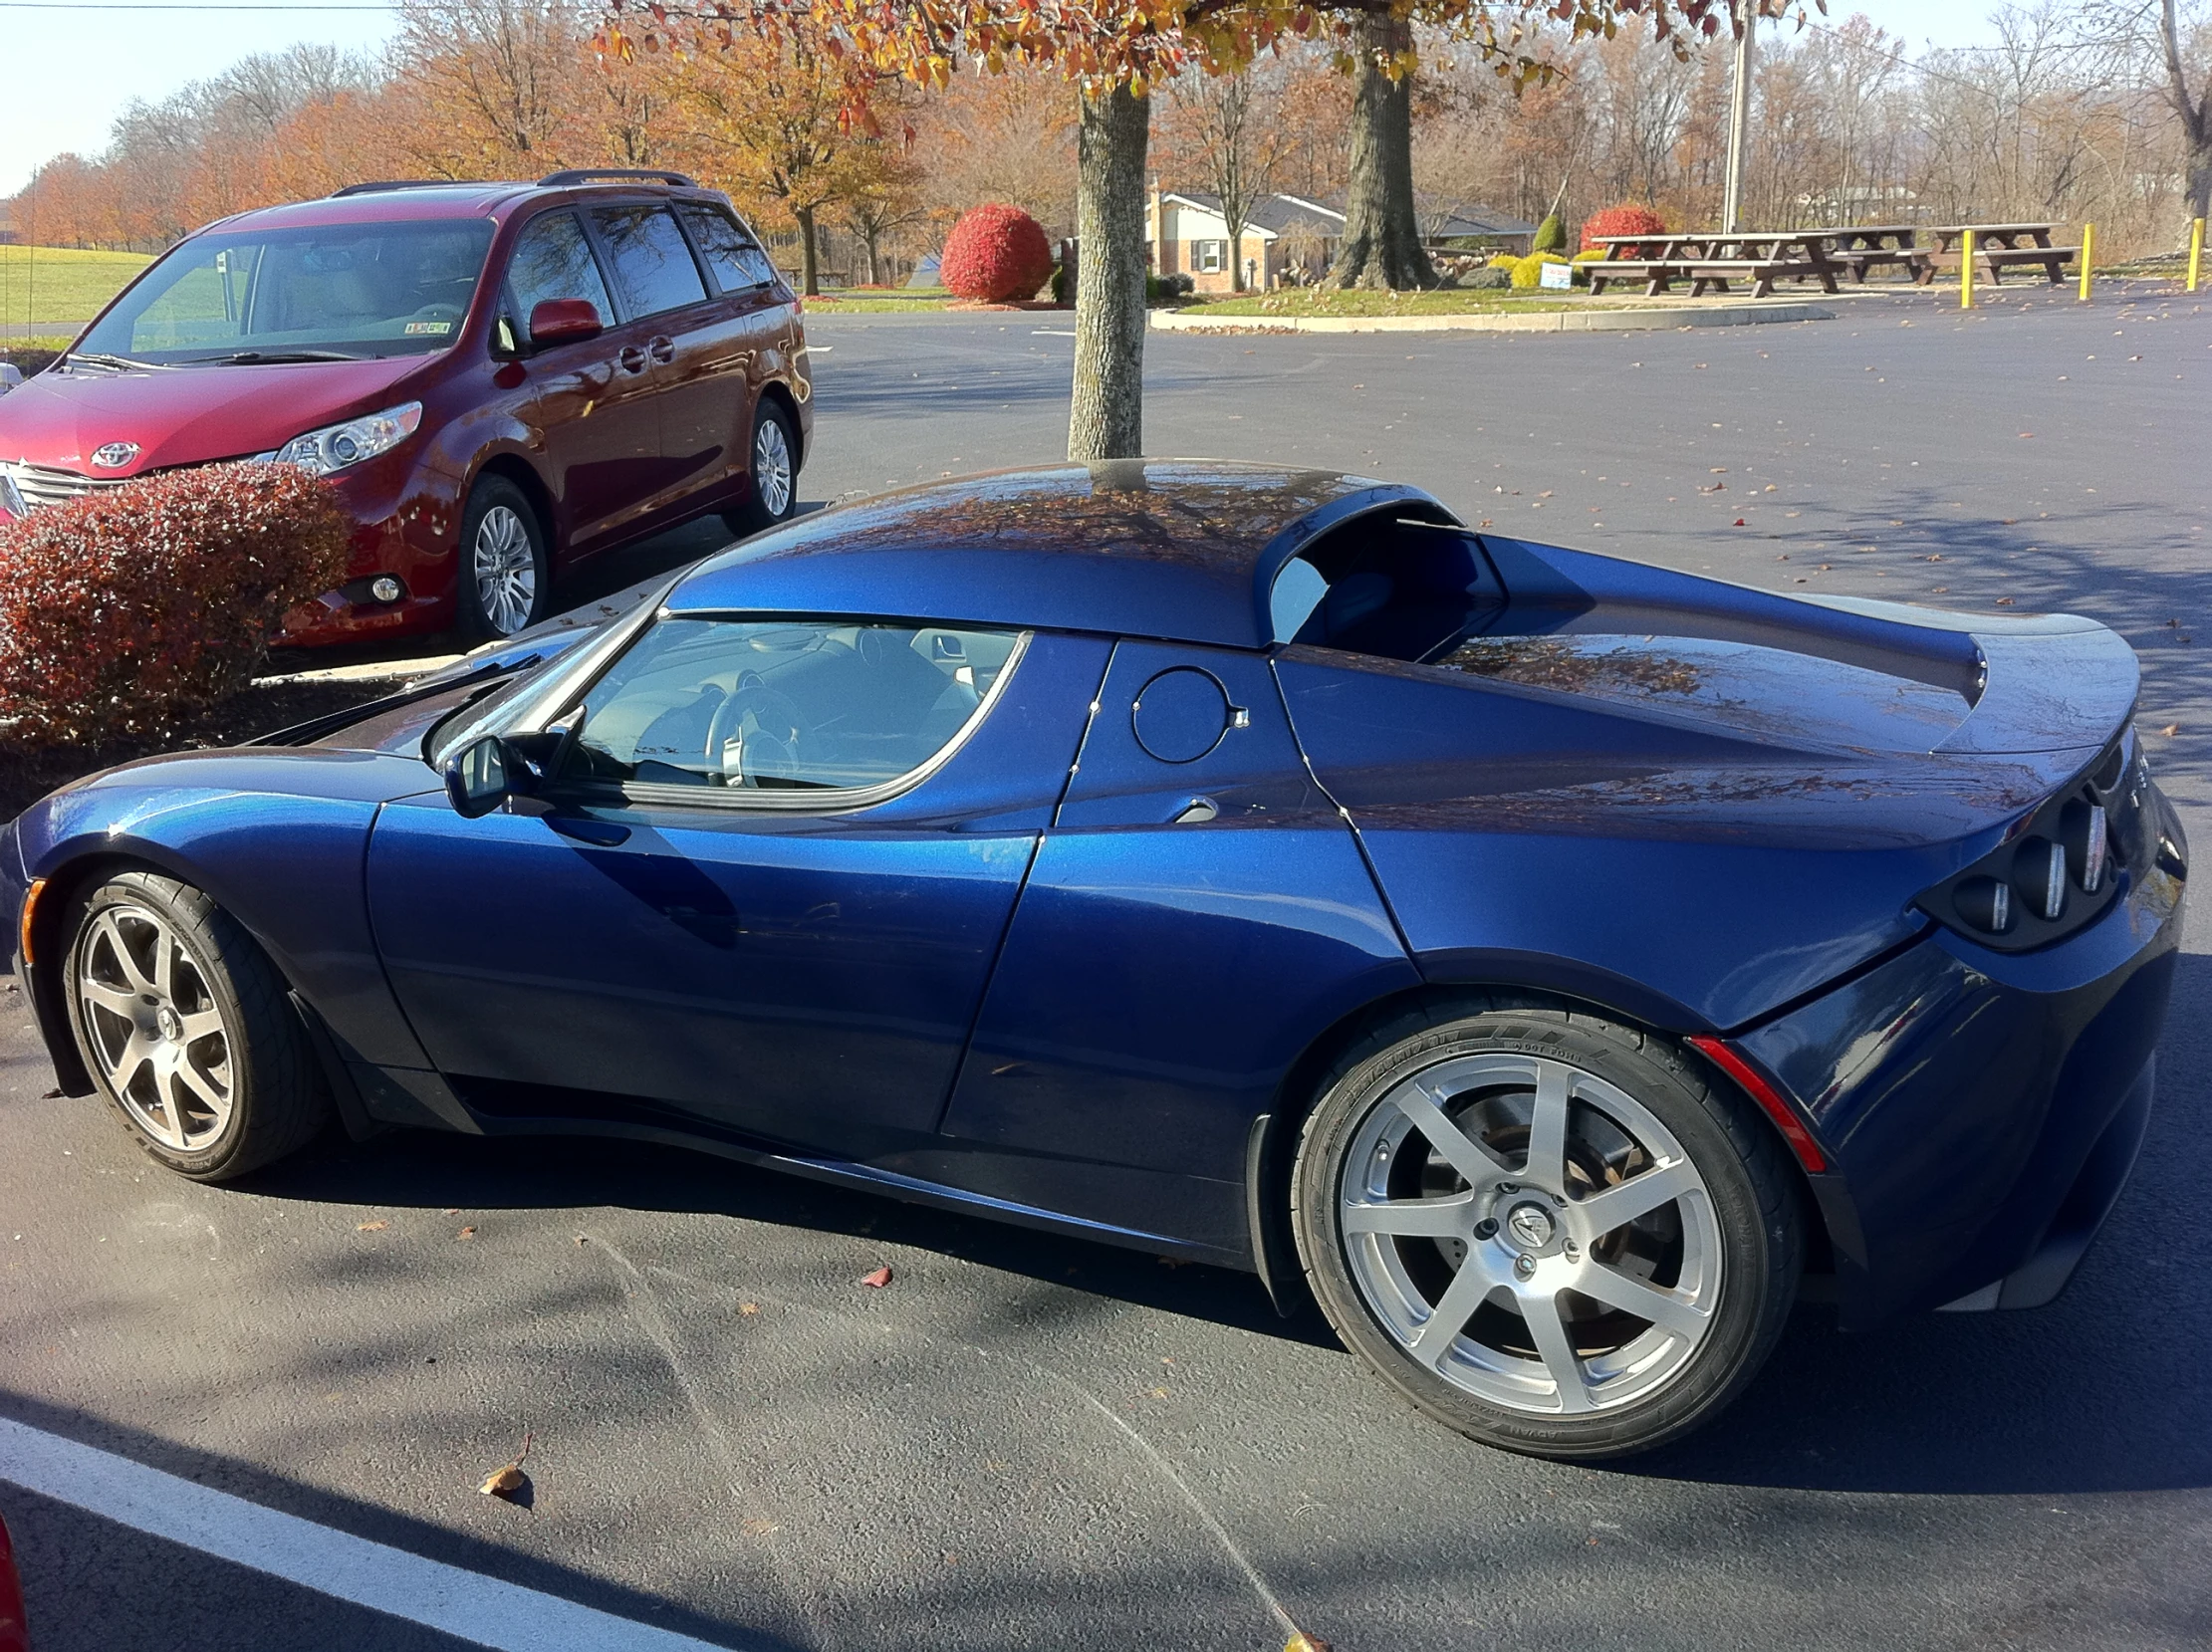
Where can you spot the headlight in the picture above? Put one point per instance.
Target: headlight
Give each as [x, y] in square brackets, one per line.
[320, 452]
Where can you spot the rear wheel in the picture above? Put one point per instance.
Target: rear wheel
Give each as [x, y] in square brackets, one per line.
[775, 472]
[1546, 1228]
[187, 1029]
[506, 576]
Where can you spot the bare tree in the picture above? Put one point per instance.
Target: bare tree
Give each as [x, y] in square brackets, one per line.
[2195, 113]
[1231, 130]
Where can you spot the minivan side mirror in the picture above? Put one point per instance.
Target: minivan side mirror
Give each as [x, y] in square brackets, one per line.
[564, 322]
[482, 776]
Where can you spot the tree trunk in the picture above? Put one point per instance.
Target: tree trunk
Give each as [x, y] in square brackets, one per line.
[810, 264]
[1382, 245]
[874, 259]
[1236, 258]
[1105, 418]
[2200, 177]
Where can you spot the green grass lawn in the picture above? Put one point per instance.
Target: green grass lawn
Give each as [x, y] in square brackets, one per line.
[874, 301]
[60, 283]
[1451, 301]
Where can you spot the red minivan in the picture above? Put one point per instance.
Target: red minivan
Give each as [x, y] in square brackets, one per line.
[499, 379]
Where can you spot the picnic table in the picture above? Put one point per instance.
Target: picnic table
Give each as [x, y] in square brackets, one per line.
[1710, 261]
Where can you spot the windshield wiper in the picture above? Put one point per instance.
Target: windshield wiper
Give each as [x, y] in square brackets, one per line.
[257, 355]
[100, 358]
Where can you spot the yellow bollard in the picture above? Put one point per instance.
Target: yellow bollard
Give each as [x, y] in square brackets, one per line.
[2196, 250]
[2088, 254]
[1966, 271]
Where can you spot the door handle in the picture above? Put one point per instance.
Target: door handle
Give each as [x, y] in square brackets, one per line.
[632, 357]
[663, 349]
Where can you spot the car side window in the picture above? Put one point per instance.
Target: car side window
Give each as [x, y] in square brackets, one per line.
[735, 257]
[654, 266]
[783, 706]
[553, 261]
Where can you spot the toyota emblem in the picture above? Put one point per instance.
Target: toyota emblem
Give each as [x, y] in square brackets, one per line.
[115, 455]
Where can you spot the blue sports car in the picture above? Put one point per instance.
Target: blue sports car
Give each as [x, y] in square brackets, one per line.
[1551, 964]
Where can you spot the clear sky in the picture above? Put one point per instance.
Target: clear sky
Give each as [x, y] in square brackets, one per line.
[71, 64]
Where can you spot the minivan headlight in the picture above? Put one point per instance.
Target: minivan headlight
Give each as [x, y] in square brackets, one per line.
[318, 452]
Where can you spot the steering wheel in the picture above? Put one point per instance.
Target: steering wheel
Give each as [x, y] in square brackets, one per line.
[756, 734]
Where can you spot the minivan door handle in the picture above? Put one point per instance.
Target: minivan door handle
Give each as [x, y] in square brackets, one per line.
[664, 348]
[632, 357]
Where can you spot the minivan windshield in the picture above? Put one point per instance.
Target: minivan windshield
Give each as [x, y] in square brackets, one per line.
[351, 291]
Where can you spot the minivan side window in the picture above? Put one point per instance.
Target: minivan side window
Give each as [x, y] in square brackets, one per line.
[553, 261]
[654, 266]
[735, 257]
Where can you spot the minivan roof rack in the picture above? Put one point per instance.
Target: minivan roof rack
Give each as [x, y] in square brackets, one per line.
[586, 174]
[383, 185]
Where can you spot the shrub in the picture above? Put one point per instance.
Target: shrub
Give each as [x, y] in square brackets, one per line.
[996, 254]
[1505, 261]
[1489, 277]
[1529, 272]
[1063, 290]
[127, 609]
[1551, 235]
[1628, 218]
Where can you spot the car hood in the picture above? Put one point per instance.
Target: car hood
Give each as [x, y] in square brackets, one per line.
[187, 415]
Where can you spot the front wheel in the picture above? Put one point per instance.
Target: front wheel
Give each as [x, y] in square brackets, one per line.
[187, 1029]
[1545, 1229]
[775, 473]
[506, 576]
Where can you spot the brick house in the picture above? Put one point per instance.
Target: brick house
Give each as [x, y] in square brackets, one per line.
[1187, 235]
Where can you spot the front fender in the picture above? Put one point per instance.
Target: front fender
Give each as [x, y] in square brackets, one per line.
[278, 839]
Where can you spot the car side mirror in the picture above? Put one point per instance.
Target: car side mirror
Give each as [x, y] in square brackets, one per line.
[482, 776]
[564, 322]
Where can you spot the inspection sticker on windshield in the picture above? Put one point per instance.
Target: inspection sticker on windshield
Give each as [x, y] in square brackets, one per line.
[430, 327]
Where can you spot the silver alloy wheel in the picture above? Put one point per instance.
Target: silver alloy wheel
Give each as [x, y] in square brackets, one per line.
[772, 467]
[155, 1027]
[506, 570]
[1531, 1232]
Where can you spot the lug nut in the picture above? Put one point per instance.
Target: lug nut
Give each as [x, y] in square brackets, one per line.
[1486, 1229]
[1524, 1266]
[1508, 1187]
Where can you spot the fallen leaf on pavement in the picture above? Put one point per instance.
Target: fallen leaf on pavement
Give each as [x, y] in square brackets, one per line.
[2004, 602]
[2171, 729]
[877, 1279]
[1740, 522]
[467, 1233]
[1301, 1641]
[748, 1308]
[509, 1480]
[760, 1528]
[371, 1227]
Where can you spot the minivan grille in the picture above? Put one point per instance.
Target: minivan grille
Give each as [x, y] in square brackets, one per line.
[43, 485]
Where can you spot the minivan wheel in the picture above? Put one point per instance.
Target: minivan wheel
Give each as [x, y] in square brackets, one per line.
[1544, 1229]
[505, 575]
[775, 473]
[187, 1029]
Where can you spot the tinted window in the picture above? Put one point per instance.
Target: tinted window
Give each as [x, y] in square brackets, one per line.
[554, 261]
[1401, 588]
[653, 269]
[398, 289]
[734, 257]
[781, 705]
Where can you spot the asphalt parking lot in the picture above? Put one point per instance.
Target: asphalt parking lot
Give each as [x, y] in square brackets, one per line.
[1030, 1443]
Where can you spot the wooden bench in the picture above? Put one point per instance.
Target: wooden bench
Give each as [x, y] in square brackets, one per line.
[1660, 273]
[2000, 247]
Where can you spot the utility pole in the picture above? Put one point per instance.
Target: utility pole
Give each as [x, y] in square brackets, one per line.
[1739, 121]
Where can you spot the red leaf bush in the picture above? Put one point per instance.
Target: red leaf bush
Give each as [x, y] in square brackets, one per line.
[131, 607]
[1628, 218]
[996, 254]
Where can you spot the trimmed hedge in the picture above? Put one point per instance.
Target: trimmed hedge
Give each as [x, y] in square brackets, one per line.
[1627, 218]
[126, 610]
[996, 254]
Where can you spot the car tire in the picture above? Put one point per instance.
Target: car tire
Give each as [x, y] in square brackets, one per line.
[504, 581]
[187, 1029]
[774, 473]
[1542, 1349]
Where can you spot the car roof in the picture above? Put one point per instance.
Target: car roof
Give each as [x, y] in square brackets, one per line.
[408, 202]
[1185, 550]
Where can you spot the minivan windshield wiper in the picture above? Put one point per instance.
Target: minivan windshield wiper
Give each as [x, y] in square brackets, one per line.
[260, 356]
[100, 358]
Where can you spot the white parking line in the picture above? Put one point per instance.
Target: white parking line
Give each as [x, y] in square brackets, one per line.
[1052, 333]
[466, 1604]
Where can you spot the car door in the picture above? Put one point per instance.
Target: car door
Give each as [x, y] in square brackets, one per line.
[594, 416]
[776, 873]
[674, 348]
[707, 417]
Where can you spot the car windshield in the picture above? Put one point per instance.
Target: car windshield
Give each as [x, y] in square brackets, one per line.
[349, 291]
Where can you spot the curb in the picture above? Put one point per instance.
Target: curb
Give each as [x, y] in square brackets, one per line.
[1551, 320]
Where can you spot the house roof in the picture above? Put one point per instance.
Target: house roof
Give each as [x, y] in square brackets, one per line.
[1270, 214]
[1455, 221]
